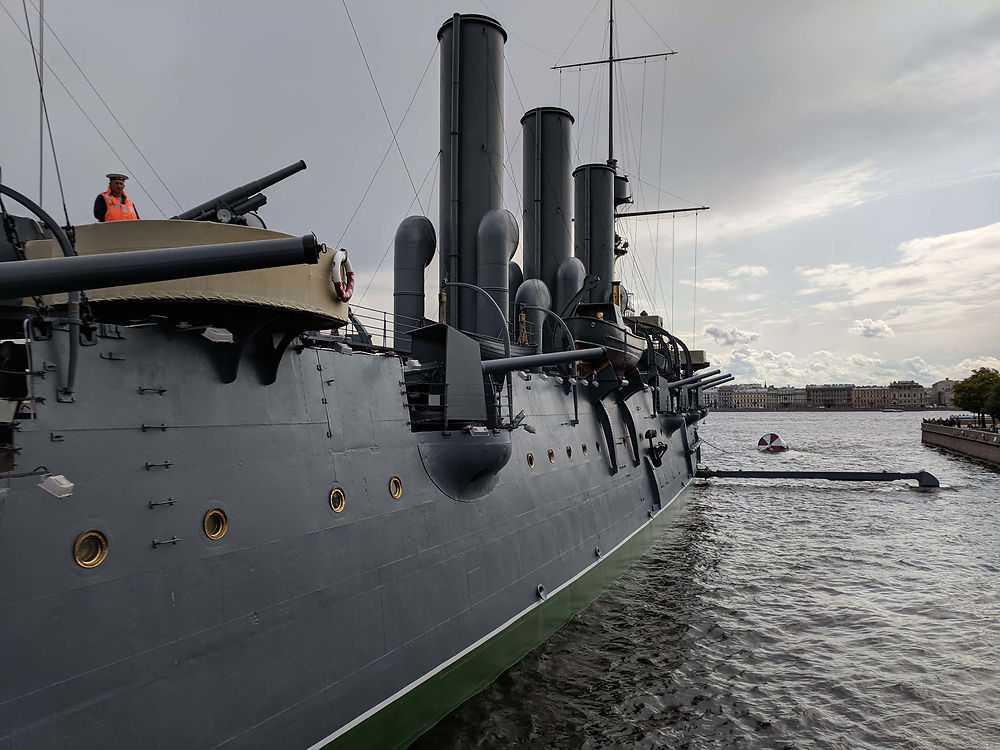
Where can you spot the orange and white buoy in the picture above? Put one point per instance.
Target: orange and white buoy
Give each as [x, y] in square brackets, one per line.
[771, 443]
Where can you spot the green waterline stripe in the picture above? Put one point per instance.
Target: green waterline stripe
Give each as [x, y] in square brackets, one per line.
[402, 717]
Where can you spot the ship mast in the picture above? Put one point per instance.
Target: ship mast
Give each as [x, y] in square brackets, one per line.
[610, 62]
[611, 87]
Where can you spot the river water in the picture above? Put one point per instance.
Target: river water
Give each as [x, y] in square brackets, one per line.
[782, 613]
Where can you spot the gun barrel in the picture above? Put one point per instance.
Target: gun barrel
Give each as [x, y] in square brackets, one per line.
[27, 278]
[508, 364]
[693, 379]
[711, 382]
[238, 195]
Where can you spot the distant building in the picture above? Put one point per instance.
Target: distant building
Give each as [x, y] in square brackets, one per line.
[907, 393]
[771, 398]
[749, 397]
[710, 398]
[725, 396]
[871, 397]
[835, 396]
[790, 398]
[942, 393]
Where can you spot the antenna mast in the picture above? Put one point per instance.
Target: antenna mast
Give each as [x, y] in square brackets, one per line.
[610, 62]
[41, 98]
[611, 86]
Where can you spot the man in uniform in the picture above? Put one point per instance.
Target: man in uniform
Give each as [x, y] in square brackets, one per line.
[113, 204]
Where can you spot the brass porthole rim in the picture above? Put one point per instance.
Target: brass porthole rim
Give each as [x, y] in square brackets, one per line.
[215, 523]
[338, 499]
[598, 444]
[584, 448]
[569, 451]
[396, 488]
[531, 460]
[102, 548]
[552, 456]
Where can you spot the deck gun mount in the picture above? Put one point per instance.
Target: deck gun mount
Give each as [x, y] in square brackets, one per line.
[235, 206]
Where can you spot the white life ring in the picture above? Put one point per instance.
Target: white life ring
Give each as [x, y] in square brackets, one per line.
[342, 275]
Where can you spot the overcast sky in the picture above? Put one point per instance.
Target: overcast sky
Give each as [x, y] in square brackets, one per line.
[849, 150]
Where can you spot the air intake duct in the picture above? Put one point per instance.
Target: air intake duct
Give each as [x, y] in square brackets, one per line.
[496, 244]
[533, 294]
[412, 252]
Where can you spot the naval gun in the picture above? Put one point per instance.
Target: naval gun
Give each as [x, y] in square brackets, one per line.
[229, 208]
[27, 278]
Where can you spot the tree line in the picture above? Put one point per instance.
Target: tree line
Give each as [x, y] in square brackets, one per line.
[980, 394]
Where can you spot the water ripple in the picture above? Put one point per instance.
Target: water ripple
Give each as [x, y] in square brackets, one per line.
[782, 614]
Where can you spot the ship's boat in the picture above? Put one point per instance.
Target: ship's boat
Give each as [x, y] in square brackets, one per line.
[601, 325]
[232, 516]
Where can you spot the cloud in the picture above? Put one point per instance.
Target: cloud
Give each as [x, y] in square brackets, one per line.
[735, 276]
[872, 329]
[951, 82]
[732, 335]
[967, 365]
[794, 196]
[916, 369]
[712, 284]
[751, 365]
[936, 282]
[749, 272]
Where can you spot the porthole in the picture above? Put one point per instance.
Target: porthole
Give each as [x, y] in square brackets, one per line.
[531, 460]
[395, 488]
[569, 452]
[215, 523]
[598, 444]
[90, 549]
[552, 456]
[584, 448]
[337, 499]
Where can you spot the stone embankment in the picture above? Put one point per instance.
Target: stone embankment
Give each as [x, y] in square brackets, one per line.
[969, 442]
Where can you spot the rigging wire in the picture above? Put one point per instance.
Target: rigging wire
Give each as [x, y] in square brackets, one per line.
[673, 255]
[516, 36]
[579, 109]
[650, 26]
[579, 29]
[382, 103]
[509, 148]
[416, 199]
[88, 117]
[45, 111]
[389, 148]
[110, 111]
[667, 192]
[430, 199]
[694, 294]
[40, 72]
[659, 195]
[629, 141]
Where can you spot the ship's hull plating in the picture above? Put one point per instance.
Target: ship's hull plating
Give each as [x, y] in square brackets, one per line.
[301, 625]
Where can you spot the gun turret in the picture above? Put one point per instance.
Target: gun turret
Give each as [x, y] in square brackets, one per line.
[27, 278]
[228, 207]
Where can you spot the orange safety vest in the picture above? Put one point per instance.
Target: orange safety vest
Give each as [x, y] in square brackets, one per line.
[117, 210]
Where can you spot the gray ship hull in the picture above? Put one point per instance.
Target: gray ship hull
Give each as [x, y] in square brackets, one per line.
[301, 625]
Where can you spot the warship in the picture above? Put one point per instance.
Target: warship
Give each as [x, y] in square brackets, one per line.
[231, 516]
